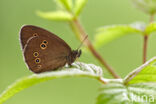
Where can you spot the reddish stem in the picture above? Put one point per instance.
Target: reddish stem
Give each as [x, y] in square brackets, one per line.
[146, 41]
[93, 50]
[145, 48]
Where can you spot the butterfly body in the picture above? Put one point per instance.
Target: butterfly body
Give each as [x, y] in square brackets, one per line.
[44, 51]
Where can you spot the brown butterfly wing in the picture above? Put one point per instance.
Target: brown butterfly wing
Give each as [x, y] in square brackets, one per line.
[29, 31]
[26, 33]
[45, 51]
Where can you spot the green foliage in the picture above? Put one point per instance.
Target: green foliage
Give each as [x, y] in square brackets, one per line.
[118, 93]
[148, 6]
[150, 28]
[67, 12]
[143, 74]
[56, 16]
[78, 70]
[66, 4]
[139, 87]
[132, 89]
[113, 93]
[79, 5]
[107, 34]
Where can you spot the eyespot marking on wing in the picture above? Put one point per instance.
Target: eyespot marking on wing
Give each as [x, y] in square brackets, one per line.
[45, 42]
[35, 54]
[39, 66]
[37, 60]
[43, 46]
[35, 34]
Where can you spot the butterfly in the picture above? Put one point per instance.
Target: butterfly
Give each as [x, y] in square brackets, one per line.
[44, 51]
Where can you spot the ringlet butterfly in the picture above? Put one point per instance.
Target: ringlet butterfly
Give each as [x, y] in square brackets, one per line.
[44, 51]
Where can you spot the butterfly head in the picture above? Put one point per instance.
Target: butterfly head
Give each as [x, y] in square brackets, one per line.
[77, 53]
[73, 55]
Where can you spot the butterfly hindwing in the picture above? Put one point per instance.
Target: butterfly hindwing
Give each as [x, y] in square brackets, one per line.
[43, 51]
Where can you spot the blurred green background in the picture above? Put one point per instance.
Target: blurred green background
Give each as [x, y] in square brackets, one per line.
[124, 54]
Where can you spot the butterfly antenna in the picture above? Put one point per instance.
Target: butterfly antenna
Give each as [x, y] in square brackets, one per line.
[82, 42]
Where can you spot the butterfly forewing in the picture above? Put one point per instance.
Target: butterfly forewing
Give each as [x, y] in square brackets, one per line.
[29, 31]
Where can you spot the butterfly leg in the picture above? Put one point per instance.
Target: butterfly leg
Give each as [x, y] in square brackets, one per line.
[68, 58]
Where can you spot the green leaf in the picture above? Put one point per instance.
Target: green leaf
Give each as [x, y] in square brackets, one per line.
[150, 28]
[67, 4]
[143, 74]
[109, 33]
[79, 5]
[113, 93]
[78, 70]
[118, 93]
[139, 87]
[147, 6]
[56, 16]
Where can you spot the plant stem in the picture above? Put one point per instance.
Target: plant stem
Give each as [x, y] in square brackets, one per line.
[146, 41]
[151, 18]
[77, 28]
[102, 81]
[145, 48]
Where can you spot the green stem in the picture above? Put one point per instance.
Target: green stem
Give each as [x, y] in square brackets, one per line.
[74, 29]
[151, 18]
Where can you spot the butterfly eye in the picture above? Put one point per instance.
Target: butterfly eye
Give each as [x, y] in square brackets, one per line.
[35, 34]
[37, 60]
[44, 41]
[35, 54]
[43, 46]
